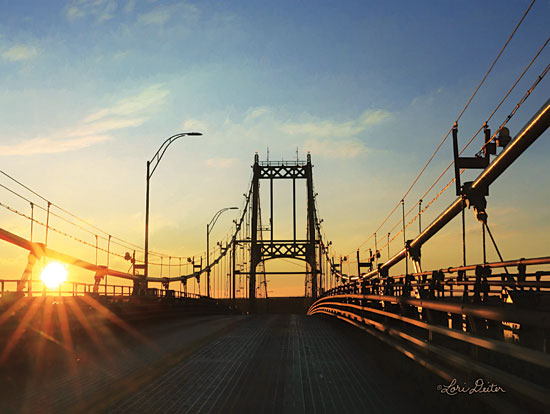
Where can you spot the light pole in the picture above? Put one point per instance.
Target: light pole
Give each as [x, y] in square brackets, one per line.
[209, 227]
[151, 167]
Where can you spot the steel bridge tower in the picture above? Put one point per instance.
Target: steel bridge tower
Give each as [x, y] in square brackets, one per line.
[267, 248]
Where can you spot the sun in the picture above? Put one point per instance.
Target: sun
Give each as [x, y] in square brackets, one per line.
[54, 274]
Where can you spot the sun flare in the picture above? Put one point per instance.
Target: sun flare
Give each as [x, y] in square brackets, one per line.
[54, 274]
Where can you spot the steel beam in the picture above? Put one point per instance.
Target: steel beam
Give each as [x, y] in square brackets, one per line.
[40, 250]
[529, 134]
[254, 247]
[311, 217]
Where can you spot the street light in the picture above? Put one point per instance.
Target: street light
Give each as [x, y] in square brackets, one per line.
[155, 162]
[209, 227]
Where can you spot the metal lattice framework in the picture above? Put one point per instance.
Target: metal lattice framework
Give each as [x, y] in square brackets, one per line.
[274, 171]
[284, 249]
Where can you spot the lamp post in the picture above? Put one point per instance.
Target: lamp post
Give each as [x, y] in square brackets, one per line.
[209, 227]
[151, 167]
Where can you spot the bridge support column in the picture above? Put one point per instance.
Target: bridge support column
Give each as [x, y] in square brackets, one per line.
[233, 272]
[254, 247]
[311, 224]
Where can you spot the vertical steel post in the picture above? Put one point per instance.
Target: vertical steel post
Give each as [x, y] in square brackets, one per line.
[484, 251]
[358, 264]
[271, 206]
[376, 249]
[108, 254]
[332, 282]
[207, 260]
[322, 280]
[311, 227]
[294, 206]
[419, 216]
[463, 232]
[405, 239]
[254, 247]
[233, 271]
[29, 286]
[456, 155]
[32, 218]
[146, 270]
[139, 284]
[47, 224]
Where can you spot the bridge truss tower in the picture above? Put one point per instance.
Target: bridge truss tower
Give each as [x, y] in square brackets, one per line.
[266, 248]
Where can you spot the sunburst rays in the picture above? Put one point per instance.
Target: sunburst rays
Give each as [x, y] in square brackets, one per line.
[44, 332]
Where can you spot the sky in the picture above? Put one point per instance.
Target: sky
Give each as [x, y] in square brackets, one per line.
[89, 90]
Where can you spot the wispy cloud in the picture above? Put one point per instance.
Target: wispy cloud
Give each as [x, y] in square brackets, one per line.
[374, 117]
[162, 14]
[74, 12]
[329, 128]
[101, 10]
[195, 125]
[129, 112]
[281, 131]
[130, 5]
[222, 162]
[257, 113]
[332, 148]
[148, 99]
[159, 15]
[51, 145]
[104, 126]
[19, 52]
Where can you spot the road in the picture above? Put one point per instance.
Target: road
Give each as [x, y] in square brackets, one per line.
[227, 364]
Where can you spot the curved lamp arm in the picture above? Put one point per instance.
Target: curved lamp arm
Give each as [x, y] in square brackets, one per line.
[158, 155]
[217, 216]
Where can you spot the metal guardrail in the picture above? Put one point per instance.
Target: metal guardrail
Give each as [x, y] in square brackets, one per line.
[80, 289]
[295, 163]
[452, 321]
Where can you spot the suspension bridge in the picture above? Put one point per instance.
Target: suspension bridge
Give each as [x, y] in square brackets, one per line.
[201, 333]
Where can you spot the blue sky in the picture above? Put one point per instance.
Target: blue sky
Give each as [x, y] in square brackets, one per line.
[90, 89]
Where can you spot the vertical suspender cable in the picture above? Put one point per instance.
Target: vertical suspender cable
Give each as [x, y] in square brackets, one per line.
[419, 216]
[32, 218]
[405, 238]
[463, 232]
[108, 254]
[376, 249]
[47, 223]
[389, 234]
[484, 251]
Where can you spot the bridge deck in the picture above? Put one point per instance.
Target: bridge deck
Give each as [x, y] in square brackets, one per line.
[224, 364]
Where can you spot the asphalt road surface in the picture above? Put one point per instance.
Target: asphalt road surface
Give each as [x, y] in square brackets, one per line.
[227, 364]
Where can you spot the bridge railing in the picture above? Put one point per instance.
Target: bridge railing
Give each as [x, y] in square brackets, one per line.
[464, 320]
[476, 279]
[295, 163]
[38, 288]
